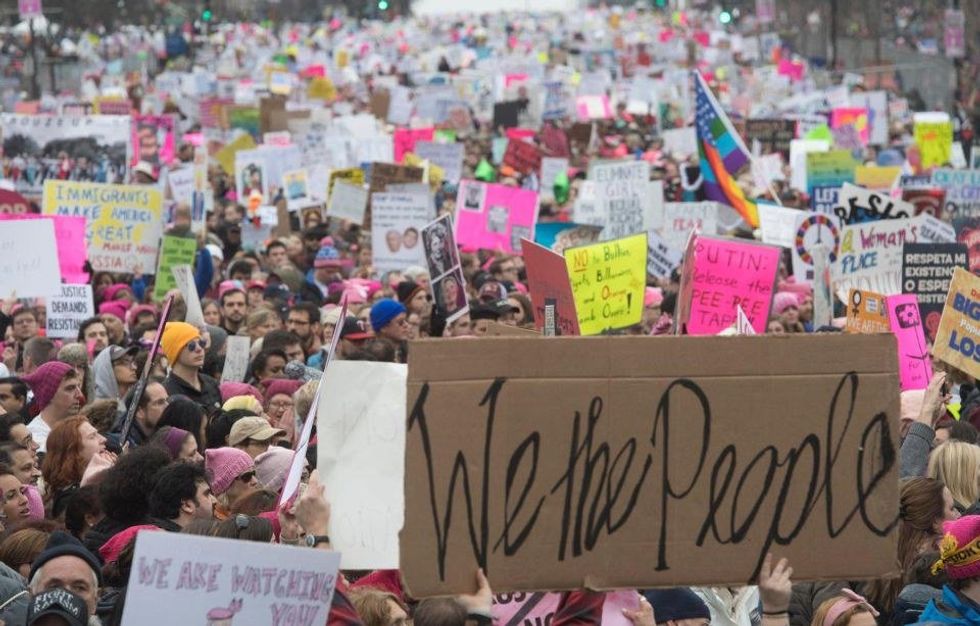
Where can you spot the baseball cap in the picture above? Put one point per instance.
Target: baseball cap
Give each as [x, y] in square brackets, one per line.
[354, 330]
[118, 352]
[58, 602]
[491, 310]
[254, 427]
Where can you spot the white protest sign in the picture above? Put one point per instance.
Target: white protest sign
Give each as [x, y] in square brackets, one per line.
[296, 186]
[870, 256]
[876, 102]
[448, 156]
[798, 149]
[361, 459]
[661, 258]
[184, 277]
[236, 359]
[626, 201]
[67, 311]
[397, 220]
[813, 230]
[181, 184]
[680, 218]
[681, 142]
[743, 325]
[225, 581]
[29, 259]
[778, 224]
[348, 202]
[857, 204]
[934, 230]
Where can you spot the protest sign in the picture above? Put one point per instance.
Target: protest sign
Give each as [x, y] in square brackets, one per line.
[236, 359]
[384, 174]
[69, 233]
[870, 256]
[406, 138]
[824, 199]
[934, 136]
[466, 399]
[856, 118]
[448, 156]
[798, 151]
[295, 185]
[442, 258]
[494, 217]
[729, 273]
[523, 156]
[867, 312]
[876, 103]
[875, 177]
[823, 296]
[858, 205]
[813, 231]
[226, 155]
[556, 236]
[184, 279]
[123, 222]
[662, 260]
[968, 232]
[67, 310]
[361, 460]
[914, 366]
[681, 142]
[681, 218]
[608, 279]
[778, 224]
[181, 184]
[626, 203]
[525, 609]
[593, 107]
[224, 581]
[26, 250]
[926, 271]
[773, 135]
[958, 338]
[97, 149]
[348, 201]
[398, 222]
[547, 277]
[829, 169]
[154, 140]
[962, 189]
[173, 251]
[930, 200]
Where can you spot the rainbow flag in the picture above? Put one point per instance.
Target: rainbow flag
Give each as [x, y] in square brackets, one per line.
[722, 154]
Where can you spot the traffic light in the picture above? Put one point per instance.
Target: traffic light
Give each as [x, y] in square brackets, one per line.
[382, 5]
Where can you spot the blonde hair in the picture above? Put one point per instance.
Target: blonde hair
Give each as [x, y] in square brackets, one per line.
[372, 605]
[957, 465]
[842, 620]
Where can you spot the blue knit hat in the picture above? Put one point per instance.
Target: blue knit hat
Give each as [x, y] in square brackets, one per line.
[327, 256]
[384, 311]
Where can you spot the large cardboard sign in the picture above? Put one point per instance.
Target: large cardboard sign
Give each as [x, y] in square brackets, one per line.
[361, 457]
[123, 223]
[86, 148]
[629, 454]
[926, 271]
[224, 581]
[547, 277]
[728, 274]
[958, 337]
[608, 280]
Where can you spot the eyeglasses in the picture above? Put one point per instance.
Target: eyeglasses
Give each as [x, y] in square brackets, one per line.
[281, 405]
[194, 344]
[247, 476]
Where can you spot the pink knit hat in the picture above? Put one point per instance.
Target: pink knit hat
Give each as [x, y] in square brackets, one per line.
[44, 383]
[230, 389]
[653, 296]
[224, 466]
[272, 467]
[784, 300]
[114, 307]
[959, 551]
[110, 292]
[111, 549]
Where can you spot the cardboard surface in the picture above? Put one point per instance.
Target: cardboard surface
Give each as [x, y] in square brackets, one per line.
[530, 497]
[547, 277]
[867, 312]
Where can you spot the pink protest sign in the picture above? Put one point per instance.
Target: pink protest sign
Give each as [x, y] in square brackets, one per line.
[524, 609]
[914, 365]
[593, 108]
[494, 217]
[406, 138]
[154, 139]
[792, 69]
[728, 274]
[852, 116]
[547, 277]
[69, 234]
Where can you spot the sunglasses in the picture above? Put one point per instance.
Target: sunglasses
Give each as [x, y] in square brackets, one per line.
[247, 476]
[194, 344]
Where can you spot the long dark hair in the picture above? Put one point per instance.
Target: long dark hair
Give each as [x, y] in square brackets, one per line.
[182, 412]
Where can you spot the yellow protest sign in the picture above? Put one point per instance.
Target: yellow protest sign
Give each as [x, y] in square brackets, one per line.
[352, 175]
[122, 222]
[958, 336]
[322, 88]
[935, 141]
[873, 177]
[608, 279]
[436, 173]
[226, 156]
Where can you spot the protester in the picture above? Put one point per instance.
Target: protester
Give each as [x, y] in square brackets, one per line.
[181, 495]
[57, 395]
[182, 345]
[231, 474]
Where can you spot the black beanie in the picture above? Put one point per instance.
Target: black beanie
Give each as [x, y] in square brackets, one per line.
[62, 544]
